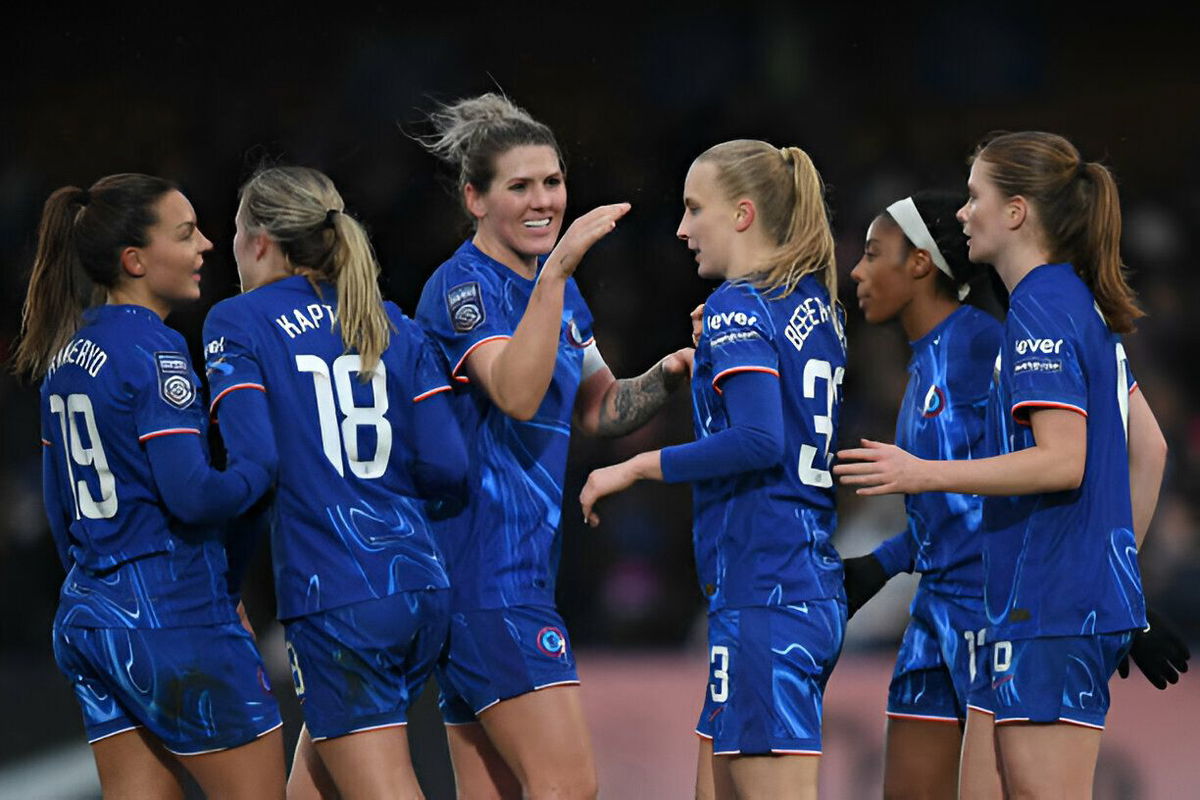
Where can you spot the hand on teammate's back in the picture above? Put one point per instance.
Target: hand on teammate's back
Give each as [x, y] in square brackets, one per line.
[1158, 651]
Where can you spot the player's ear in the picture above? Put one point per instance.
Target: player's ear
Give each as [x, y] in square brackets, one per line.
[919, 263]
[262, 243]
[1016, 211]
[131, 262]
[473, 200]
[743, 217]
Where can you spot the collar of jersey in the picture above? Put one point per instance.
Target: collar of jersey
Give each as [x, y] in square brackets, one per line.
[468, 247]
[117, 309]
[1042, 270]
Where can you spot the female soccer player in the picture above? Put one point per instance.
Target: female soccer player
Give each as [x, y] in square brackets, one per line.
[766, 395]
[1075, 441]
[515, 329]
[146, 630]
[352, 403]
[915, 269]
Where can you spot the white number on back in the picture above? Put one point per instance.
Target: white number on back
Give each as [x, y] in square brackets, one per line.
[69, 412]
[353, 416]
[811, 475]
[719, 688]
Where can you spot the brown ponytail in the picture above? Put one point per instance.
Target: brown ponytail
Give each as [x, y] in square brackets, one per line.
[1078, 209]
[80, 238]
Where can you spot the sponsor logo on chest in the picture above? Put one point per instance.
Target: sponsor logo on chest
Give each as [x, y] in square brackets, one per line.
[1043, 346]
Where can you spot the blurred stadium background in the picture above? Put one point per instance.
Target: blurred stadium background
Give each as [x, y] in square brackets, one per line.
[885, 101]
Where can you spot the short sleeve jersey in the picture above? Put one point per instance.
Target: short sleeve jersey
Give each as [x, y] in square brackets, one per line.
[943, 417]
[124, 378]
[1063, 563]
[347, 522]
[505, 550]
[763, 537]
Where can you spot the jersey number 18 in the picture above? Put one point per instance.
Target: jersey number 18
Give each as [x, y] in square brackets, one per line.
[337, 437]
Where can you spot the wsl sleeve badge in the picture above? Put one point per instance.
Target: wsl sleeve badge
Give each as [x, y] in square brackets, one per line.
[174, 379]
[465, 303]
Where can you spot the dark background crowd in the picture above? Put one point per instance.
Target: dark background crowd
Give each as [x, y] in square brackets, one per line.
[886, 102]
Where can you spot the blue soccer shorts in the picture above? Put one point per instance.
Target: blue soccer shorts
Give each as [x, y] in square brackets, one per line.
[497, 654]
[359, 667]
[943, 654]
[768, 666]
[1052, 679]
[198, 689]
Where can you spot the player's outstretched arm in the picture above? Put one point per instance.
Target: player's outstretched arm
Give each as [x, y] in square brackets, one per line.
[516, 373]
[607, 406]
[1054, 464]
[617, 478]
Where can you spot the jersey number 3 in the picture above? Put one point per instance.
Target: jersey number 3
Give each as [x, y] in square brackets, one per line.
[336, 383]
[814, 368]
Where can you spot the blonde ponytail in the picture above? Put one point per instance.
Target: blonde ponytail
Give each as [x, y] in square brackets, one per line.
[789, 196]
[301, 209]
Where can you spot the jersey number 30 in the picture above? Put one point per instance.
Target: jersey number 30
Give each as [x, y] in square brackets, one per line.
[337, 383]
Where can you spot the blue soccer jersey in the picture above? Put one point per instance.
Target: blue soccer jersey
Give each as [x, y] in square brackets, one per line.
[1064, 563]
[762, 537]
[505, 550]
[348, 522]
[125, 378]
[942, 417]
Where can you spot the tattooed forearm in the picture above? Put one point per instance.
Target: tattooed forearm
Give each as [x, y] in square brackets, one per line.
[631, 402]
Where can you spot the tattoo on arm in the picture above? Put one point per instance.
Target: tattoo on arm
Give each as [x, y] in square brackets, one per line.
[631, 402]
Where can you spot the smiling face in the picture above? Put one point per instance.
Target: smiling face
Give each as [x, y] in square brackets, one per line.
[885, 282]
[983, 216]
[708, 224]
[521, 213]
[173, 255]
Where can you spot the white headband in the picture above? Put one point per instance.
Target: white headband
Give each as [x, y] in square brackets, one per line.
[909, 219]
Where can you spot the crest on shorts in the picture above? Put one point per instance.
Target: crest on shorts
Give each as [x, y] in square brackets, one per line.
[174, 379]
[465, 303]
[551, 642]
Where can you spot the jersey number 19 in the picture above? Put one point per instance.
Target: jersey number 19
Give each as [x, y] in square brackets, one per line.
[69, 411]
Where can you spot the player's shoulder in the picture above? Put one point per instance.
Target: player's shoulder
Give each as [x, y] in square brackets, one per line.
[152, 333]
[404, 327]
[1050, 291]
[465, 263]
[734, 295]
[974, 334]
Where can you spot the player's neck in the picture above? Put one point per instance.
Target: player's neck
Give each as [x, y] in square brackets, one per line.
[1016, 262]
[924, 314]
[523, 265]
[127, 296]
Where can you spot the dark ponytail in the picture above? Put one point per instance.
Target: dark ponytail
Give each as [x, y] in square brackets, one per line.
[80, 238]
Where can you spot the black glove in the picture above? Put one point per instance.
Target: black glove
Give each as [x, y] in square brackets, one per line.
[864, 578]
[1158, 651]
